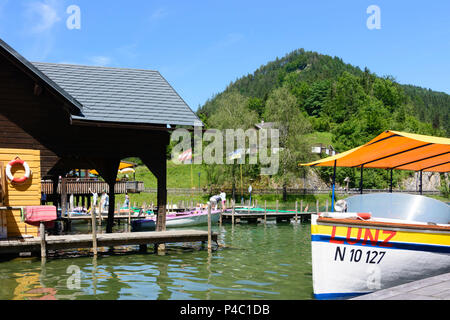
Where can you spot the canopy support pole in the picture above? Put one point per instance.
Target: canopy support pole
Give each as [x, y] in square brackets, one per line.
[390, 187]
[420, 185]
[334, 182]
[361, 180]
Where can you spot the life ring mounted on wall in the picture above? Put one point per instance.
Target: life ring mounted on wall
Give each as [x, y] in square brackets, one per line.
[18, 161]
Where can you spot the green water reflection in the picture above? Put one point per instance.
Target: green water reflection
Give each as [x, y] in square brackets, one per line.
[257, 262]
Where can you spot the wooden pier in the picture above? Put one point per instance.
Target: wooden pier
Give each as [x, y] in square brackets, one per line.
[433, 288]
[254, 217]
[103, 240]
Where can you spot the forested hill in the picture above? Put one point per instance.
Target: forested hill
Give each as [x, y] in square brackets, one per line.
[318, 98]
[330, 90]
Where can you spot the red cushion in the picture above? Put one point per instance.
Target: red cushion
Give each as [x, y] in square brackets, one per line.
[38, 214]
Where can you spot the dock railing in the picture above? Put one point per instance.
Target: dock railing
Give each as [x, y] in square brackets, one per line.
[82, 186]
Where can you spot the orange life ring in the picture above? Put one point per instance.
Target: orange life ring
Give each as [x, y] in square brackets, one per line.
[18, 161]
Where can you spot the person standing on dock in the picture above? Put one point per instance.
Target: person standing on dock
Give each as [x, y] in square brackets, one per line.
[214, 200]
[94, 198]
[223, 197]
[104, 201]
[126, 203]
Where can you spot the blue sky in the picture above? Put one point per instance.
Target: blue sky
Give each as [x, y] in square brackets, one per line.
[202, 46]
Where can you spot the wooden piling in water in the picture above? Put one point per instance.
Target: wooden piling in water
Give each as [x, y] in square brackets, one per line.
[129, 215]
[265, 212]
[296, 219]
[94, 232]
[43, 244]
[209, 228]
[232, 213]
[277, 207]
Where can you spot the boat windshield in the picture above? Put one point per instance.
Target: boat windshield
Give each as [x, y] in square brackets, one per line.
[401, 206]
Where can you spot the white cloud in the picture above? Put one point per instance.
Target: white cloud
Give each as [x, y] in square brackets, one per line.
[41, 16]
[101, 60]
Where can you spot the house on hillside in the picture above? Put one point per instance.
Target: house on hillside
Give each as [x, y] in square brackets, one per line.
[321, 148]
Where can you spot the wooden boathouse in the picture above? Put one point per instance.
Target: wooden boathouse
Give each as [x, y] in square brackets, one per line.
[62, 117]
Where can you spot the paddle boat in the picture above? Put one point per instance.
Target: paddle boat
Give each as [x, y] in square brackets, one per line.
[178, 219]
[377, 241]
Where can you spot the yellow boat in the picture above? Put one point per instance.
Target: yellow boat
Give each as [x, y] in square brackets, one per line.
[377, 241]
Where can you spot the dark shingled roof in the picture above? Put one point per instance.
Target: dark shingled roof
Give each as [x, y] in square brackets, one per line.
[121, 95]
[25, 65]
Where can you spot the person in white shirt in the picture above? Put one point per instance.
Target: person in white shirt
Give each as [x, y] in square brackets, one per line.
[223, 197]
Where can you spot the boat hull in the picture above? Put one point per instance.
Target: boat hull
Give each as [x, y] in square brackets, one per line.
[350, 259]
[176, 221]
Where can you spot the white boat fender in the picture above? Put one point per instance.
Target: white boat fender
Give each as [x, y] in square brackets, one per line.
[347, 215]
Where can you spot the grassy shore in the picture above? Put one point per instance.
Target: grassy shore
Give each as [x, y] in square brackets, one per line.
[187, 176]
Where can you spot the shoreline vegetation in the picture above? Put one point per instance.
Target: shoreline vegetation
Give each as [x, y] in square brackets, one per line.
[312, 99]
[179, 176]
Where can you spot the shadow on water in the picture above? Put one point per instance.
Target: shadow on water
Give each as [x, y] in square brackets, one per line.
[256, 262]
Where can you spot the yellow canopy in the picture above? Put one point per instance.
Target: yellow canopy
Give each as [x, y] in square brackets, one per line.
[122, 165]
[395, 150]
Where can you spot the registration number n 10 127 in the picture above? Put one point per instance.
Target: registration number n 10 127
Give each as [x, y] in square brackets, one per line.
[358, 255]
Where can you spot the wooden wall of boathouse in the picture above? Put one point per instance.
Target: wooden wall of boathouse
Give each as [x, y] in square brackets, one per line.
[25, 194]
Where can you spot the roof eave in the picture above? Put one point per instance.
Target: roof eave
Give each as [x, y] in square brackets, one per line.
[19, 61]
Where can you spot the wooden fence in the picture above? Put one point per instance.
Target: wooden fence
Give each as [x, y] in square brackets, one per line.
[82, 186]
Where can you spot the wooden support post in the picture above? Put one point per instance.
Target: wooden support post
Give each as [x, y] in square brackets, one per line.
[326, 205]
[112, 201]
[94, 232]
[277, 207]
[317, 206]
[43, 244]
[232, 212]
[129, 215]
[63, 196]
[301, 205]
[209, 228]
[157, 163]
[296, 219]
[265, 212]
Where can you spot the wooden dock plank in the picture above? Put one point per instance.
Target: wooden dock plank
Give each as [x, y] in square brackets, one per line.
[104, 240]
[433, 288]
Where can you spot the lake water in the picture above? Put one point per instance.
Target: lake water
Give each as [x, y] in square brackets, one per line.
[257, 262]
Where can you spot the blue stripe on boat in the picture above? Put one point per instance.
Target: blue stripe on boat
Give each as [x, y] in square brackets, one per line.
[326, 296]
